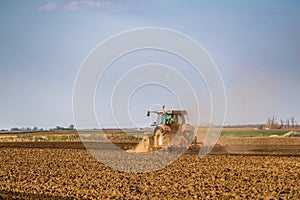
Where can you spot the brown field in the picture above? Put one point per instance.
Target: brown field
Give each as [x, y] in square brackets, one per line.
[251, 169]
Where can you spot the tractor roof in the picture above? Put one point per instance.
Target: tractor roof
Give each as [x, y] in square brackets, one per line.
[176, 112]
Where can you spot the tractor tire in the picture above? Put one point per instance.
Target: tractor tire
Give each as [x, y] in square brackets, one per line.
[190, 137]
[183, 140]
[161, 138]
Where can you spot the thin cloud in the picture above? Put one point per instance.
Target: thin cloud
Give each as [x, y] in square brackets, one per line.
[48, 7]
[78, 4]
[72, 5]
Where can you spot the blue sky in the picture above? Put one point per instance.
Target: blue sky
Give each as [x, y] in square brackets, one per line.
[255, 44]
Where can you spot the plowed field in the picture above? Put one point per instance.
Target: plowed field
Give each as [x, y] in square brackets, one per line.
[65, 170]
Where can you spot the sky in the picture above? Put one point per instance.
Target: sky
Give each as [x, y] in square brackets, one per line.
[255, 45]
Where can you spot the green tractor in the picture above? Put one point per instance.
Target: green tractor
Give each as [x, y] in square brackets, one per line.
[170, 131]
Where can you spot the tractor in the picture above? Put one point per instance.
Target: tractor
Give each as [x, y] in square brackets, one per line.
[171, 130]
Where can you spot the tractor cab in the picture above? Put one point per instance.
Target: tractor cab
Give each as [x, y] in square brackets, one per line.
[169, 117]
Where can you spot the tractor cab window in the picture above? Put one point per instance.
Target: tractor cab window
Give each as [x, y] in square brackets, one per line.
[170, 119]
[174, 118]
[161, 119]
[169, 116]
[180, 119]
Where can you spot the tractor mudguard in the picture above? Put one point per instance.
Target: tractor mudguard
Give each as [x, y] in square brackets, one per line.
[186, 127]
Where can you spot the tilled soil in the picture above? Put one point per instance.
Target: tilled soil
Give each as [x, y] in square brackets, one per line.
[65, 171]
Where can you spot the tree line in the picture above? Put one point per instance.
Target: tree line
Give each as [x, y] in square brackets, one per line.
[289, 123]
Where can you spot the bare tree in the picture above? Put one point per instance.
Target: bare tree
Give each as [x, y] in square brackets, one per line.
[268, 125]
[288, 123]
[272, 122]
[282, 121]
[293, 122]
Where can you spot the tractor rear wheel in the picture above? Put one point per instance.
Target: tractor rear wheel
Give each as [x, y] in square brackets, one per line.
[158, 138]
[162, 138]
[190, 137]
